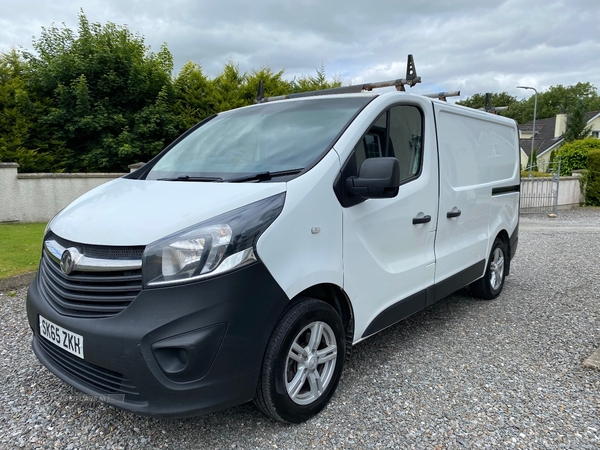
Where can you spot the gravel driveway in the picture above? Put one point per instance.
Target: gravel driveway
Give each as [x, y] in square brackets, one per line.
[464, 373]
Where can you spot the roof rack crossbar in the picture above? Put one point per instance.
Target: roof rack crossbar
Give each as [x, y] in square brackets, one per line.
[488, 105]
[442, 95]
[410, 80]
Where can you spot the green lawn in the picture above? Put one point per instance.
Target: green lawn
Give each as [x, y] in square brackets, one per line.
[20, 248]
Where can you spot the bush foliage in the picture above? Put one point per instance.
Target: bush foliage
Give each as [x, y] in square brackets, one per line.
[535, 174]
[573, 155]
[98, 99]
[592, 194]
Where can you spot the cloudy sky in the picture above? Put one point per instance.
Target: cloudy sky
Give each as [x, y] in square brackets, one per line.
[467, 45]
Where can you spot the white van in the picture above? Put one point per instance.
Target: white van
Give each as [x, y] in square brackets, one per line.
[245, 260]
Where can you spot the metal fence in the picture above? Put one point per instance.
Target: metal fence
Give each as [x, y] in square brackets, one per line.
[540, 194]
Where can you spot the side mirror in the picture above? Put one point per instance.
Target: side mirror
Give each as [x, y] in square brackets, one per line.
[377, 178]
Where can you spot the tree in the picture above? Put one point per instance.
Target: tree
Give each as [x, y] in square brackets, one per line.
[557, 99]
[318, 82]
[576, 124]
[273, 83]
[20, 138]
[97, 99]
[552, 162]
[533, 162]
[105, 96]
[228, 88]
[477, 101]
[194, 96]
[198, 97]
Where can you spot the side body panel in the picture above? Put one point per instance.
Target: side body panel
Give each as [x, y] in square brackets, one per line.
[478, 154]
[387, 265]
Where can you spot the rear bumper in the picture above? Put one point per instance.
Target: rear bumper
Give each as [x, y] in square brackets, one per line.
[174, 351]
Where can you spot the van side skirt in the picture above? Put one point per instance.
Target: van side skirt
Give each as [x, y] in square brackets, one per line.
[458, 281]
[416, 302]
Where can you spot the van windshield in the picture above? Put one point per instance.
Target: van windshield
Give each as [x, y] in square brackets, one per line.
[259, 142]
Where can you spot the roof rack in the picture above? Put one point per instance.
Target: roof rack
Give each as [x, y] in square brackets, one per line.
[410, 80]
[442, 95]
[488, 105]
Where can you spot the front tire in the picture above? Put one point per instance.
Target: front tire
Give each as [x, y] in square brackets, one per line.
[303, 362]
[490, 286]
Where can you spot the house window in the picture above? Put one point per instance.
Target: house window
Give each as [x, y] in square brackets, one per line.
[596, 134]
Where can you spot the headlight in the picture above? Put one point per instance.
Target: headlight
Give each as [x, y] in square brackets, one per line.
[215, 246]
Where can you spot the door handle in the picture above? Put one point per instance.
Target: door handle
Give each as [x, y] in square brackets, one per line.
[419, 220]
[453, 214]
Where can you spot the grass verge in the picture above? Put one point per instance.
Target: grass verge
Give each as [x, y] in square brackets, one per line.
[20, 248]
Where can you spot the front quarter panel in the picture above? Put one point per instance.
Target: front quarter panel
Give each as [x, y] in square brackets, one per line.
[303, 247]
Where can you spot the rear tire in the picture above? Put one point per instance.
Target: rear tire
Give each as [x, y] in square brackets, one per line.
[490, 286]
[303, 362]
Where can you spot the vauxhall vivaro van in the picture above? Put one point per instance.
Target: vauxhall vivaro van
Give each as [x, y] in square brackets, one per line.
[244, 261]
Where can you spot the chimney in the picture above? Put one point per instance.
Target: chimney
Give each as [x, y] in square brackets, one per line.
[560, 125]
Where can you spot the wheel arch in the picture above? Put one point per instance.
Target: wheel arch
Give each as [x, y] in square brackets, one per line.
[338, 300]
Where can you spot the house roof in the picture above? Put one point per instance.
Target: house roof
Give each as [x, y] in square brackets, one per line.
[544, 137]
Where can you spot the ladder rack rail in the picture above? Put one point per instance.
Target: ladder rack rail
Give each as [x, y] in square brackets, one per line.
[411, 80]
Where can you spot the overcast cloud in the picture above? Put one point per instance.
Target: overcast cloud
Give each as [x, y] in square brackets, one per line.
[467, 45]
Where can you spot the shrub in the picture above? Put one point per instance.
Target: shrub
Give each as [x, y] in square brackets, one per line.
[573, 156]
[592, 196]
[534, 173]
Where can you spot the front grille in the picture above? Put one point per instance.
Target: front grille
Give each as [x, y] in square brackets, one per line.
[88, 294]
[98, 378]
[104, 251]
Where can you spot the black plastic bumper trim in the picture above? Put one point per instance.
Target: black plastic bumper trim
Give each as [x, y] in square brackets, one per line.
[514, 242]
[245, 304]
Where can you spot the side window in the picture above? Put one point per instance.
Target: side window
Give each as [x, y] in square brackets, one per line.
[397, 132]
[406, 138]
[372, 143]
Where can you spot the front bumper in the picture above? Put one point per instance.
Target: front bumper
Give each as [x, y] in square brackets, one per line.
[174, 351]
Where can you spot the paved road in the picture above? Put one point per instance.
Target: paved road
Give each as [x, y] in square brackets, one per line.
[462, 374]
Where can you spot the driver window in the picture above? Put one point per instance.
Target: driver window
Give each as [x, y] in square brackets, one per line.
[371, 144]
[397, 132]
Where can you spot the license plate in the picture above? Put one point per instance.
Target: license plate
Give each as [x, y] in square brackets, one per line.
[61, 337]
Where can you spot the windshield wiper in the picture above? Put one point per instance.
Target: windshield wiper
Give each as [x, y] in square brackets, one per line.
[188, 178]
[264, 176]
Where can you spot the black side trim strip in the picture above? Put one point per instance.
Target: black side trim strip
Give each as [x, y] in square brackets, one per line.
[460, 280]
[397, 312]
[416, 302]
[506, 189]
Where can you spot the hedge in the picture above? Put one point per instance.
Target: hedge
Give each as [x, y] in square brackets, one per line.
[573, 155]
[592, 196]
